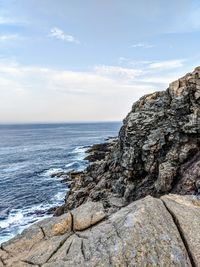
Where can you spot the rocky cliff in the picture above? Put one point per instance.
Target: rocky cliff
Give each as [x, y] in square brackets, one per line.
[157, 151]
[108, 218]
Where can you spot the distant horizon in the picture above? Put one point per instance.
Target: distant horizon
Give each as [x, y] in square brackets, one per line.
[54, 122]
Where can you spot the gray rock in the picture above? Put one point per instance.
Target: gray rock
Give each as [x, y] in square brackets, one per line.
[157, 151]
[186, 212]
[140, 234]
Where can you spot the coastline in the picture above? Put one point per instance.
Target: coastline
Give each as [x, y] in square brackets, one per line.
[63, 149]
[137, 203]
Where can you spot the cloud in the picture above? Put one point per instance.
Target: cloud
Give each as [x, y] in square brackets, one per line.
[61, 35]
[168, 64]
[8, 37]
[152, 66]
[118, 72]
[142, 45]
[30, 93]
[12, 21]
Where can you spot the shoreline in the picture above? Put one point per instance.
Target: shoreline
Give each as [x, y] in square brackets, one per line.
[64, 177]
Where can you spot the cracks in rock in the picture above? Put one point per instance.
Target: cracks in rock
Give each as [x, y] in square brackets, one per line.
[176, 222]
[2, 248]
[80, 236]
[82, 249]
[58, 247]
[72, 223]
[30, 263]
[68, 249]
[43, 232]
[1, 260]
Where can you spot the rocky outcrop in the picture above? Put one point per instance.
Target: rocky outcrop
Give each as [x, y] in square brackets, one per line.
[147, 232]
[100, 151]
[157, 151]
[185, 211]
[104, 223]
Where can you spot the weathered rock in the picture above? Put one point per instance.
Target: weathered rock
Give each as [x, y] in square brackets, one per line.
[157, 151]
[99, 151]
[64, 225]
[140, 234]
[87, 215]
[45, 249]
[24, 241]
[186, 213]
[19, 247]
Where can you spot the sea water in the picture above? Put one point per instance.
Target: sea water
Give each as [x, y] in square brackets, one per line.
[29, 155]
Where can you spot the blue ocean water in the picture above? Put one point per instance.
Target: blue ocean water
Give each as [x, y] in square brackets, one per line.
[29, 154]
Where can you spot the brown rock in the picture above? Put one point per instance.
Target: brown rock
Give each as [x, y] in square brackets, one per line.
[64, 226]
[87, 215]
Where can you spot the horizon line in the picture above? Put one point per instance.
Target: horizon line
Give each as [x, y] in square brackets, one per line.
[58, 122]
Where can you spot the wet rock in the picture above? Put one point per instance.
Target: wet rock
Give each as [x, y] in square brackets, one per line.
[59, 211]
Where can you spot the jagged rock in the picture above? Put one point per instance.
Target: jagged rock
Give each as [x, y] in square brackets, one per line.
[157, 151]
[140, 234]
[186, 213]
[99, 151]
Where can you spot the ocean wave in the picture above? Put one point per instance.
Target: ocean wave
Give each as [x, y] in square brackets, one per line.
[51, 171]
[19, 219]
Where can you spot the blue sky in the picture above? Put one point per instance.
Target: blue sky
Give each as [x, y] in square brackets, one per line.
[90, 60]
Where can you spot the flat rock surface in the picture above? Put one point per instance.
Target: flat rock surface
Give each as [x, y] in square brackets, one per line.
[143, 233]
[186, 212]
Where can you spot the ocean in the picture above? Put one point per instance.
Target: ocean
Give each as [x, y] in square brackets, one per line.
[29, 155]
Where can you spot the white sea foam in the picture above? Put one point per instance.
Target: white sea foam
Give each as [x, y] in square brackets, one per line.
[51, 171]
[18, 220]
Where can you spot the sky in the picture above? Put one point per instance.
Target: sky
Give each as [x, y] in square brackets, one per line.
[90, 60]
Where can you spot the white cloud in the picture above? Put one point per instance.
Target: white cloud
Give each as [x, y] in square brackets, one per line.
[118, 72]
[12, 21]
[142, 45]
[4, 20]
[32, 93]
[168, 64]
[9, 37]
[61, 35]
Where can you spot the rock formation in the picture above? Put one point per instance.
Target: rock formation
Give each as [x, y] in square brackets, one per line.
[157, 151]
[118, 211]
[147, 232]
